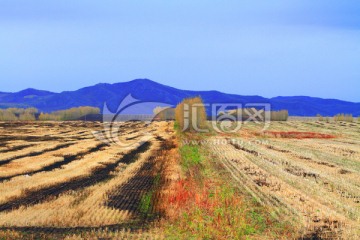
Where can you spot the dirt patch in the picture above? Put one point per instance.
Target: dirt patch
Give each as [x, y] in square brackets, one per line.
[330, 230]
[297, 171]
[343, 171]
[239, 147]
[326, 164]
[277, 149]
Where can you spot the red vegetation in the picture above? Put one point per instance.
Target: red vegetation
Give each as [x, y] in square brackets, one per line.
[183, 193]
[298, 135]
[187, 195]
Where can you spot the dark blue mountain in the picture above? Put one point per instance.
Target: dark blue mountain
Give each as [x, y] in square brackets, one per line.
[24, 95]
[150, 91]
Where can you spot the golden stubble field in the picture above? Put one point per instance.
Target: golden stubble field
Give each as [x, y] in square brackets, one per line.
[56, 177]
[309, 172]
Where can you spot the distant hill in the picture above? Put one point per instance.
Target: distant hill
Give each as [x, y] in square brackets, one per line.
[147, 90]
[22, 96]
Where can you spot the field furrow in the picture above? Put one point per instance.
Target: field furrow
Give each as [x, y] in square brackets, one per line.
[101, 173]
[265, 177]
[55, 162]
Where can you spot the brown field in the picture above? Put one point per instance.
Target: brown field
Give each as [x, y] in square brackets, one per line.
[57, 178]
[57, 181]
[307, 171]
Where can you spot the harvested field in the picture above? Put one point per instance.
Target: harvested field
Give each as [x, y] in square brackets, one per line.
[307, 171]
[57, 178]
[58, 181]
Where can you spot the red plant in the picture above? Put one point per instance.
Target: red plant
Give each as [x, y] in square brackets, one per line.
[186, 192]
[298, 135]
[182, 194]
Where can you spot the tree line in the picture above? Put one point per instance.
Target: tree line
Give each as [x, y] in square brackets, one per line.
[14, 114]
[341, 117]
[68, 114]
[32, 114]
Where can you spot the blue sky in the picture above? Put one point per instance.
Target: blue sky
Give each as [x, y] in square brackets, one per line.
[268, 48]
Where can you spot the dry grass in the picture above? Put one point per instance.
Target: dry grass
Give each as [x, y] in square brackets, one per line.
[206, 205]
[308, 176]
[295, 171]
[78, 208]
[89, 206]
[28, 164]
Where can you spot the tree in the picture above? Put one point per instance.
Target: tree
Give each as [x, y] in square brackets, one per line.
[184, 114]
[6, 115]
[27, 117]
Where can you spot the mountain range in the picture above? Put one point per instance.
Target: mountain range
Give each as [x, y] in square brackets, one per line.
[150, 91]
